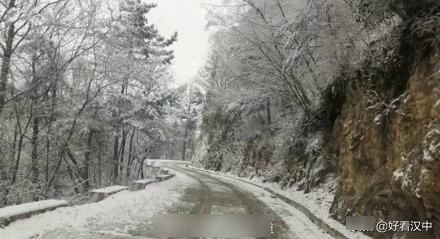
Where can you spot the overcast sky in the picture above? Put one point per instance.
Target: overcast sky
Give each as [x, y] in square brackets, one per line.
[187, 18]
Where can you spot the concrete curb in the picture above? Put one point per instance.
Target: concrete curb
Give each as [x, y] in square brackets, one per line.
[92, 197]
[316, 220]
[6, 220]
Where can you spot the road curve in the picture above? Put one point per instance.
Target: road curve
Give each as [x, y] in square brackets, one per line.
[204, 193]
[225, 196]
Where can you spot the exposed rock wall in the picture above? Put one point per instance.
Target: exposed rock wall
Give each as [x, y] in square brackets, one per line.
[388, 138]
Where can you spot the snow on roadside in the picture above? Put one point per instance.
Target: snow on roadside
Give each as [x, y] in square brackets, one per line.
[118, 213]
[30, 207]
[298, 223]
[159, 162]
[318, 201]
[110, 189]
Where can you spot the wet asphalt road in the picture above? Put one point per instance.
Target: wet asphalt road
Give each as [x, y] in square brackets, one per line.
[211, 195]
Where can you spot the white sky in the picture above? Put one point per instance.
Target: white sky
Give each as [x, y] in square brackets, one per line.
[187, 18]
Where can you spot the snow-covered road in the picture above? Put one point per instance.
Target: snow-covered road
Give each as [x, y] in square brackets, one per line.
[129, 214]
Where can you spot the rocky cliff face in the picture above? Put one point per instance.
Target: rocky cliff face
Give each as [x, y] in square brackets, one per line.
[388, 138]
[390, 153]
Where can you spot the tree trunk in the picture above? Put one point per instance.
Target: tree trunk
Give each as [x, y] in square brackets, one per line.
[141, 169]
[122, 154]
[60, 156]
[115, 158]
[7, 187]
[34, 154]
[130, 154]
[99, 169]
[79, 173]
[46, 168]
[87, 162]
[116, 152]
[14, 147]
[6, 62]
[51, 119]
[70, 172]
[188, 121]
[269, 117]
[22, 134]
[184, 142]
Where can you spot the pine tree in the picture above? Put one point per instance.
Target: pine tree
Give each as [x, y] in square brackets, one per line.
[141, 38]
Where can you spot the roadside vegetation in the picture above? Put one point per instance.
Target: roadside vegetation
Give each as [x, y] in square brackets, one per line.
[334, 94]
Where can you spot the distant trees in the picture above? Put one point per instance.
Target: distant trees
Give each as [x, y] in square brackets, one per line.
[192, 106]
[83, 91]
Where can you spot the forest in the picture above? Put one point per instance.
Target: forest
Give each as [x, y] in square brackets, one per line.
[336, 96]
[85, 96]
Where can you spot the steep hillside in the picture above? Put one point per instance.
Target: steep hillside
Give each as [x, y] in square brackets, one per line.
[388, 138]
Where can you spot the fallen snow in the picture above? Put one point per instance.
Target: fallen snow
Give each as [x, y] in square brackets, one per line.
[111, 189]
[158, 162]
[298, 223]
[378, 119]
[117, 214]
[437, 104]
[147, 180]
[16, 210]
[431, 145]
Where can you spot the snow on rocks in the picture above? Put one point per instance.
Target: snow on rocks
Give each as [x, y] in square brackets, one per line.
[11, 213]
[406, 177]
[101, 193]
[431, 146]
[111, 189]
[117, 213]
[437, 104]
[163, 177]
[141, 184]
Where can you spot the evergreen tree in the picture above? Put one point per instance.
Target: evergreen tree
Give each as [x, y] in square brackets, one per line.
[139, 37]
